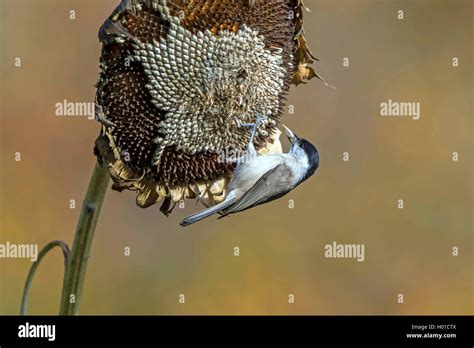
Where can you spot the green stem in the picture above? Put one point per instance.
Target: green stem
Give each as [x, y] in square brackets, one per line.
[80, 253]
[34, 267]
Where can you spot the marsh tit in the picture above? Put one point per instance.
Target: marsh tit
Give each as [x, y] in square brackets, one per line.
[261, 179]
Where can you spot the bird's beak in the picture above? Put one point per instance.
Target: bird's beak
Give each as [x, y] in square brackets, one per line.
[291, 136]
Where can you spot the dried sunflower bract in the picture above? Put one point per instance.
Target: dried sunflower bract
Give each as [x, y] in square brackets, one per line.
[177, 80]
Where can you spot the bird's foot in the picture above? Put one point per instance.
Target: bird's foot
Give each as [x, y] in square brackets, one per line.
[258, 121]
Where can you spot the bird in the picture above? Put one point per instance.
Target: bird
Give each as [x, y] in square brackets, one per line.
[261, 179]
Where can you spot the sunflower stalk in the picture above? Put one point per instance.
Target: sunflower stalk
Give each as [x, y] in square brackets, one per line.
[77, 262]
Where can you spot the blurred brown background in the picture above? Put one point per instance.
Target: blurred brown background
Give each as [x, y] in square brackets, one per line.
[282, 250]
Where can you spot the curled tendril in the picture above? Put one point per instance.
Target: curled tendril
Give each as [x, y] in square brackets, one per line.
[29, 280]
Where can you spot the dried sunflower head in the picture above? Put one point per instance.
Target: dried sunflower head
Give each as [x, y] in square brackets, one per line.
[178, 78]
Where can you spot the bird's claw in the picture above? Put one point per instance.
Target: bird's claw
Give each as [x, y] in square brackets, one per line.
[258, 121]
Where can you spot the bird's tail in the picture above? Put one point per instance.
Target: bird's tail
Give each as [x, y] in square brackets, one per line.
[206, 213]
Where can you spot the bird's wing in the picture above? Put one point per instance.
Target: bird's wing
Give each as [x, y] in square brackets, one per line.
[270, 183]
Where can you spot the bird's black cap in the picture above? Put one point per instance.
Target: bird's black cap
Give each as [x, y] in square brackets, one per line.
[313, 157]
